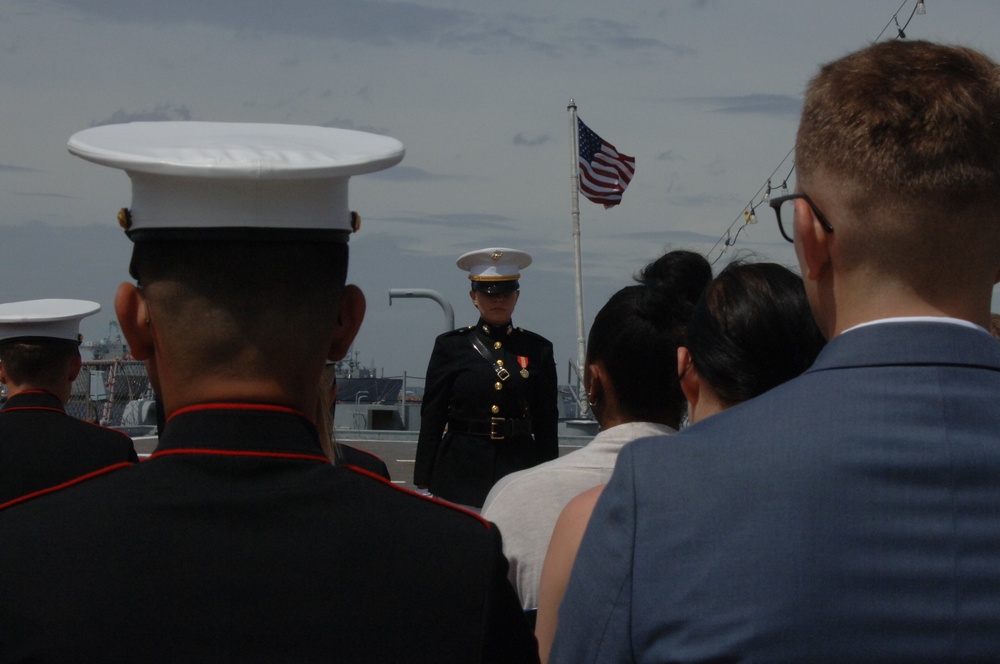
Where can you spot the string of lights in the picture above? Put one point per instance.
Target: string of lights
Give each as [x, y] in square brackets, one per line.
[749, 214]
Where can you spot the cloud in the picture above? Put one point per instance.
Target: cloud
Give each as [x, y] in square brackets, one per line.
[520, 139]
[701, 200]
[491, 33]
[41, 194]
[766, 104]
[762, 104]
[371, 21]
[669, 156]
[716, 167]
[347, 123]
[411, 174]
[677, 239]
[8, 168]
[492, 37]
[672, 184]
[159, 113]
[86, 262]
[463, 221]
[622, 36]
[382, 23]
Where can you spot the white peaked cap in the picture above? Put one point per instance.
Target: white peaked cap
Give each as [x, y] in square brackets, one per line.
[228, 175]
[494, 263]
[44, 319]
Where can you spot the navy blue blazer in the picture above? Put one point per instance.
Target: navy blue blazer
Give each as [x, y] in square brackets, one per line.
[850, 515]
[238, 541]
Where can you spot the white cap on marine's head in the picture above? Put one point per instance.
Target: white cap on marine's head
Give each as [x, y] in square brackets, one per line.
[494, 269]
[40, 320]
[190, 178]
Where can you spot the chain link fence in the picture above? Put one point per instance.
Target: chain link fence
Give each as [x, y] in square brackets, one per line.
[114, 393]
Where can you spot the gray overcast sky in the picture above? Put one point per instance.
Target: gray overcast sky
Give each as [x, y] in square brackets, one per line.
[704, 94]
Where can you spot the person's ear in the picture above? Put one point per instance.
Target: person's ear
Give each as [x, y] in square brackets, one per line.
[813, 246]
[593, 383]
[472, 294]
[133, 316]
[688, 376]
[74, 368]
[352, 313]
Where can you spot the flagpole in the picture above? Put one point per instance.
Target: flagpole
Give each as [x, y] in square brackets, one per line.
[575, 180]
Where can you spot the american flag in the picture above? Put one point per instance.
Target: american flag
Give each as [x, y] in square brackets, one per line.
[604, 172]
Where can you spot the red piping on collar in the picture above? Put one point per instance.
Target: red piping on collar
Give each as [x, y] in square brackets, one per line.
[48, 408]
[238, 406]
[34, 391]
[242, 453]
[64, 485]
[14, 409]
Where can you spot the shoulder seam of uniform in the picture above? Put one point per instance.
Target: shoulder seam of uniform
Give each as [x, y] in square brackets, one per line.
[534, 334]
[409, 492]
[455, 332]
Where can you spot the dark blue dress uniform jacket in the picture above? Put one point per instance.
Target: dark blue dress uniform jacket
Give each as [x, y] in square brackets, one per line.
[849, 515]
[41, 446]
[237, 541]
[462, 392]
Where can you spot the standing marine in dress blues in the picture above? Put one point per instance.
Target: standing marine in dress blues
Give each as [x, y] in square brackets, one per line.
[489, 405]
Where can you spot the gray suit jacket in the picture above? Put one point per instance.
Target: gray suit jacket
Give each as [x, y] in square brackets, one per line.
[850, 515]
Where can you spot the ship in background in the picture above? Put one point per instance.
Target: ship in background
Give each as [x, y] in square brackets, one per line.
[113, 390]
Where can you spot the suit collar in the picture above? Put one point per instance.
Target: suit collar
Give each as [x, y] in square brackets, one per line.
[910, 343]
[945, 320]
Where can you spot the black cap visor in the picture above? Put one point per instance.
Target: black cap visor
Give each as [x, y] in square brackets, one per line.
[496, 287]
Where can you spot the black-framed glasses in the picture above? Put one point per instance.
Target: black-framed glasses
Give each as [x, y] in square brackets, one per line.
[776, 203]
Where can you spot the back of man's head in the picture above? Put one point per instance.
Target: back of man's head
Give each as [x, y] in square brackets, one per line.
[243, 309]
[904, 139]
[39, 364]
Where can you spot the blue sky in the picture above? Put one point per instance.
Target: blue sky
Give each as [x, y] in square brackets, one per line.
[703, 93]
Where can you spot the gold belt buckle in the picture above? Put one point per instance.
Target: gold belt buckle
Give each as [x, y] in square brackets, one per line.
[494, 422]
[503, 374]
